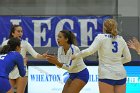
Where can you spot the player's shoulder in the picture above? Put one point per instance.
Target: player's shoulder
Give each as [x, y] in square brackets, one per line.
[5, 42]
[74, 46]
[14, 53]
[120, 38]
[102, 36]
[25, 43]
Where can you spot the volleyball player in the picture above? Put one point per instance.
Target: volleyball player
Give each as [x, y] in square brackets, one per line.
[78, 72]
[9, 57]
[113, 53]
[15, 79]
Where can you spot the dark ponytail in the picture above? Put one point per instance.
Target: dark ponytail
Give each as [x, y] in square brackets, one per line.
[5, 49]
[11, 45]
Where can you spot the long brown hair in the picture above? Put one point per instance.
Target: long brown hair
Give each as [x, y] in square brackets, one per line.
[110, 27]
[70, 36]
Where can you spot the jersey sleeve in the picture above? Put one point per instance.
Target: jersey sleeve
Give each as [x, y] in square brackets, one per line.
[20, 64]
[92, 48]
[126, 54]
[30, 49]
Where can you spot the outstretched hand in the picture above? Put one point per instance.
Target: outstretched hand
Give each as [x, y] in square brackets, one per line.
[134, 44]
[44, 55]
[52, 59]
[131, 44]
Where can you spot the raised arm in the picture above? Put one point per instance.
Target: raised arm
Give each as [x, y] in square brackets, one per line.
[91, 50]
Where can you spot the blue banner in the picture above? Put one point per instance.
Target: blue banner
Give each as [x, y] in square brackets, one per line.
[42, 31]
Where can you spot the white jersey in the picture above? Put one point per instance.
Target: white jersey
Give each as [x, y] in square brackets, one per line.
[74, 66]
[113, 53]
[25, 47]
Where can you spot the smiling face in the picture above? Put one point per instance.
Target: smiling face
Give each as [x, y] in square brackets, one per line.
[17, 32]
[61, 39]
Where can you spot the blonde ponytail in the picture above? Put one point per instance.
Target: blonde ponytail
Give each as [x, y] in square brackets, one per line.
[114, 33]
[110, 27]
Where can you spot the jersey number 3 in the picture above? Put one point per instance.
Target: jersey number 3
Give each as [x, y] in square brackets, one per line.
[115, 49]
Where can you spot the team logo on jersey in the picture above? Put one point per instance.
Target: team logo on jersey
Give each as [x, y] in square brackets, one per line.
[65, 77]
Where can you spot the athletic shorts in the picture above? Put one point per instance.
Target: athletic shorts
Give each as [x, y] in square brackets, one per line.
[14, 74]
[113, 82]
[4, 85]
[82, 75]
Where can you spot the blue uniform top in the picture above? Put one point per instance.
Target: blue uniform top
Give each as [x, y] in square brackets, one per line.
[9, 61]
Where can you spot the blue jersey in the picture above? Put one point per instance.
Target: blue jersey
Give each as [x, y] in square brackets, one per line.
[9, 61]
